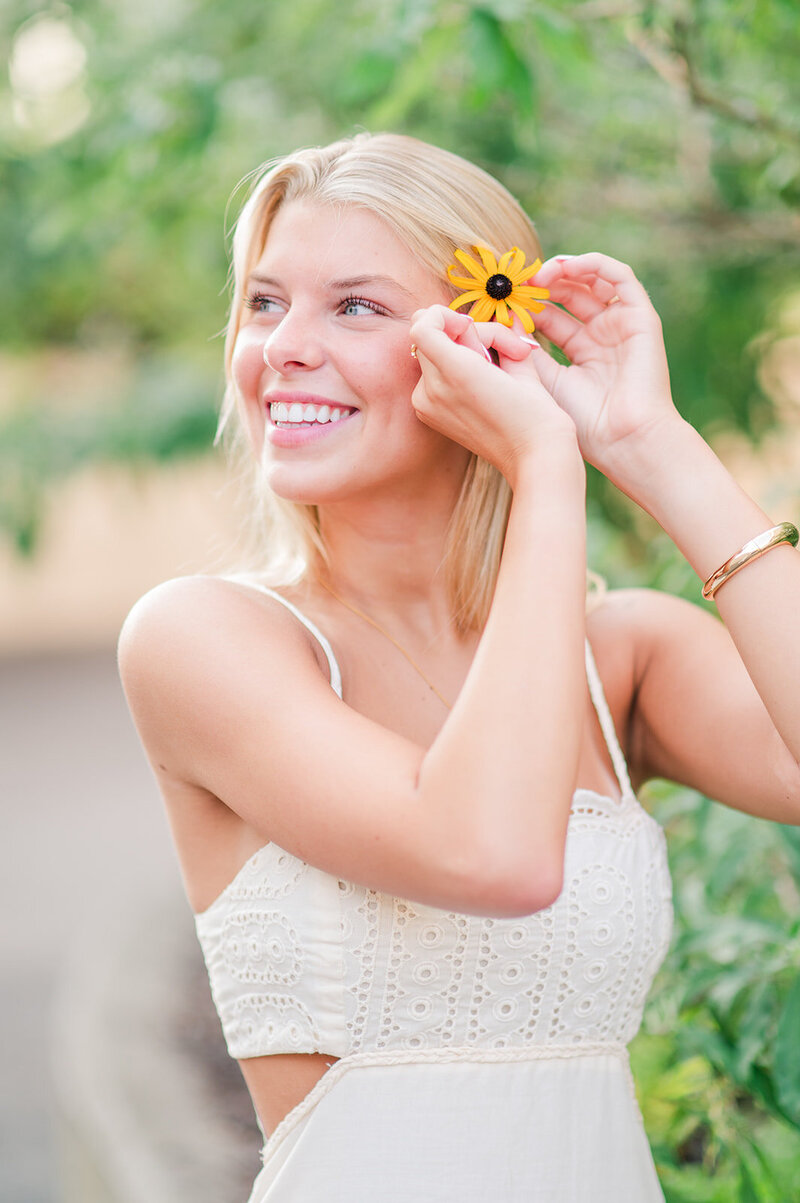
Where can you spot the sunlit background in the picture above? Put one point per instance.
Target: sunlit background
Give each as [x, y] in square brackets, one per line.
[665, 132]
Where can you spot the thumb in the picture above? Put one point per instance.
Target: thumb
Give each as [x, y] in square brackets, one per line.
[548, 369]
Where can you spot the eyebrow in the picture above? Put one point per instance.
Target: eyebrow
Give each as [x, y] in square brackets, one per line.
[344, 285]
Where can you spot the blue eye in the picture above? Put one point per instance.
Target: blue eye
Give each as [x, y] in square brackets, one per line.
[351, 305]
[259, 302]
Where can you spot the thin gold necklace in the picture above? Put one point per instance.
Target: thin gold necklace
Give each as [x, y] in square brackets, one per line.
[391, 638]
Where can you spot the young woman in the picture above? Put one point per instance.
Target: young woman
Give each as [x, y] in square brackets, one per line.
[430, 903]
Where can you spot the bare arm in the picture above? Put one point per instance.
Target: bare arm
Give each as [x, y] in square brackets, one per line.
[709, 517]
[697, 717]
[225, 700]
[719, 708]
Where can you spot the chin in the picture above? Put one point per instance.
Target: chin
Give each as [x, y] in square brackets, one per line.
[290, 483]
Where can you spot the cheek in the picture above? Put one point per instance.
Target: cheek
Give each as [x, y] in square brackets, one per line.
[248, 361]
[247, 366]
[389, 373]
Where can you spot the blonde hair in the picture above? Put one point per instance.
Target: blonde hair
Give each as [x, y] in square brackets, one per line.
[435, 201]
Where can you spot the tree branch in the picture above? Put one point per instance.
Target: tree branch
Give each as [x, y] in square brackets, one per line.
[672, 60]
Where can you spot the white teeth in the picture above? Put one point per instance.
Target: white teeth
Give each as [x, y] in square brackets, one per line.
[297, 413]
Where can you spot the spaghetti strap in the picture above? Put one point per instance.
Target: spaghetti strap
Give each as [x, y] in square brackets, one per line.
[607, 723]
[333, 665]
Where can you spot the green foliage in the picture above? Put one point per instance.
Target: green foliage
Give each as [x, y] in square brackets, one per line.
[665, 133]
[717, 1061]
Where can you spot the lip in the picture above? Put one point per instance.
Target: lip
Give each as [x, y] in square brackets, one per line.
[300, 436]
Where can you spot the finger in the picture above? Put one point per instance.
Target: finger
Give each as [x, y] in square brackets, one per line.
[549, 370]
[470, 338]
[507, 341]
[443, 358]
[578, 299]
[458, 328]
[602, 293]
[421, 403]
[440, 317]
[604, 290]
[515, 347]
[566, 331]
[600, 267]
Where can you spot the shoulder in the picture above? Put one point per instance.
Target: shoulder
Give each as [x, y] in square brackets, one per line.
[171, 616]
[634, 621]
[658, 654]
[633, 630]
[186, 631]
[169, 603]
[636, 627]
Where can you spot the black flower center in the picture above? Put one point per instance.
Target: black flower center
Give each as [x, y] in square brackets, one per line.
[499, 287]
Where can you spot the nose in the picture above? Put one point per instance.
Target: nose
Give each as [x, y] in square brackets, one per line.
[293, 346]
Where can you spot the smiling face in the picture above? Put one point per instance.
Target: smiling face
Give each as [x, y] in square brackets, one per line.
[322, 360]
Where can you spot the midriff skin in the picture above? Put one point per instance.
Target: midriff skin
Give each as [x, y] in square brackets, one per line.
[279, 1082]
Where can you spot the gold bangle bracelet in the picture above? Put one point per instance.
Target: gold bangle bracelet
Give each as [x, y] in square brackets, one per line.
[784, 532]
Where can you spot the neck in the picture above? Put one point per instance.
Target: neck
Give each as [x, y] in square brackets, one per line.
[386, 556]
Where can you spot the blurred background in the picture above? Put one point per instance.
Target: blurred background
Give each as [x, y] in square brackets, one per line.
[664, 132]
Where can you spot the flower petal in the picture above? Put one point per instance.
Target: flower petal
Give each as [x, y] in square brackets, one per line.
[516, 270]
[466, 298]
[482, 310]
[527, 293]
[489, 261]
[462, 281]
[522, 314]
[502, 265]
[469, 263]
[532, 268]
[501, 313]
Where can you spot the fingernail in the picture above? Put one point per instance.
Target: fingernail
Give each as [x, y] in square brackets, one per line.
[562, 258]
[532, 341]
[486, 354]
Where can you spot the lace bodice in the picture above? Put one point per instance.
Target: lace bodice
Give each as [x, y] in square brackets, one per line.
[300, 961]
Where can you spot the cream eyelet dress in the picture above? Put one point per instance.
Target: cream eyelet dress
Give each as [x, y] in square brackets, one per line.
[480, 1059]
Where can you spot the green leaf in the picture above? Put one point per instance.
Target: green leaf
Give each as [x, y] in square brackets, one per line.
[370, 76]
[754, 1027]
[497, 65]
[748, 1191]
[791, 840]
[787, 1054]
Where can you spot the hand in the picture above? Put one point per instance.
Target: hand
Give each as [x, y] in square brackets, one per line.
[616, 388]
[503, 412]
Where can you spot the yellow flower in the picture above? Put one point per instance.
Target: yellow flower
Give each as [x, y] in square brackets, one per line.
[498, 289]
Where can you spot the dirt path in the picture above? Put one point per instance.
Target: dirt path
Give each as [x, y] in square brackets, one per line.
[83, 836]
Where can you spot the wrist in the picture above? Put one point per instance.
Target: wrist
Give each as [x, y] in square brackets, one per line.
[656, 463]
[690, 493]
[554, 462]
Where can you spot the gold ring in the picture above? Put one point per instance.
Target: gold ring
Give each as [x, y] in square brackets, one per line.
[413, 350]
[613, 300]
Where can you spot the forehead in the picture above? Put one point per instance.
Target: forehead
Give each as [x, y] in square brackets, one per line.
[326, 243]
